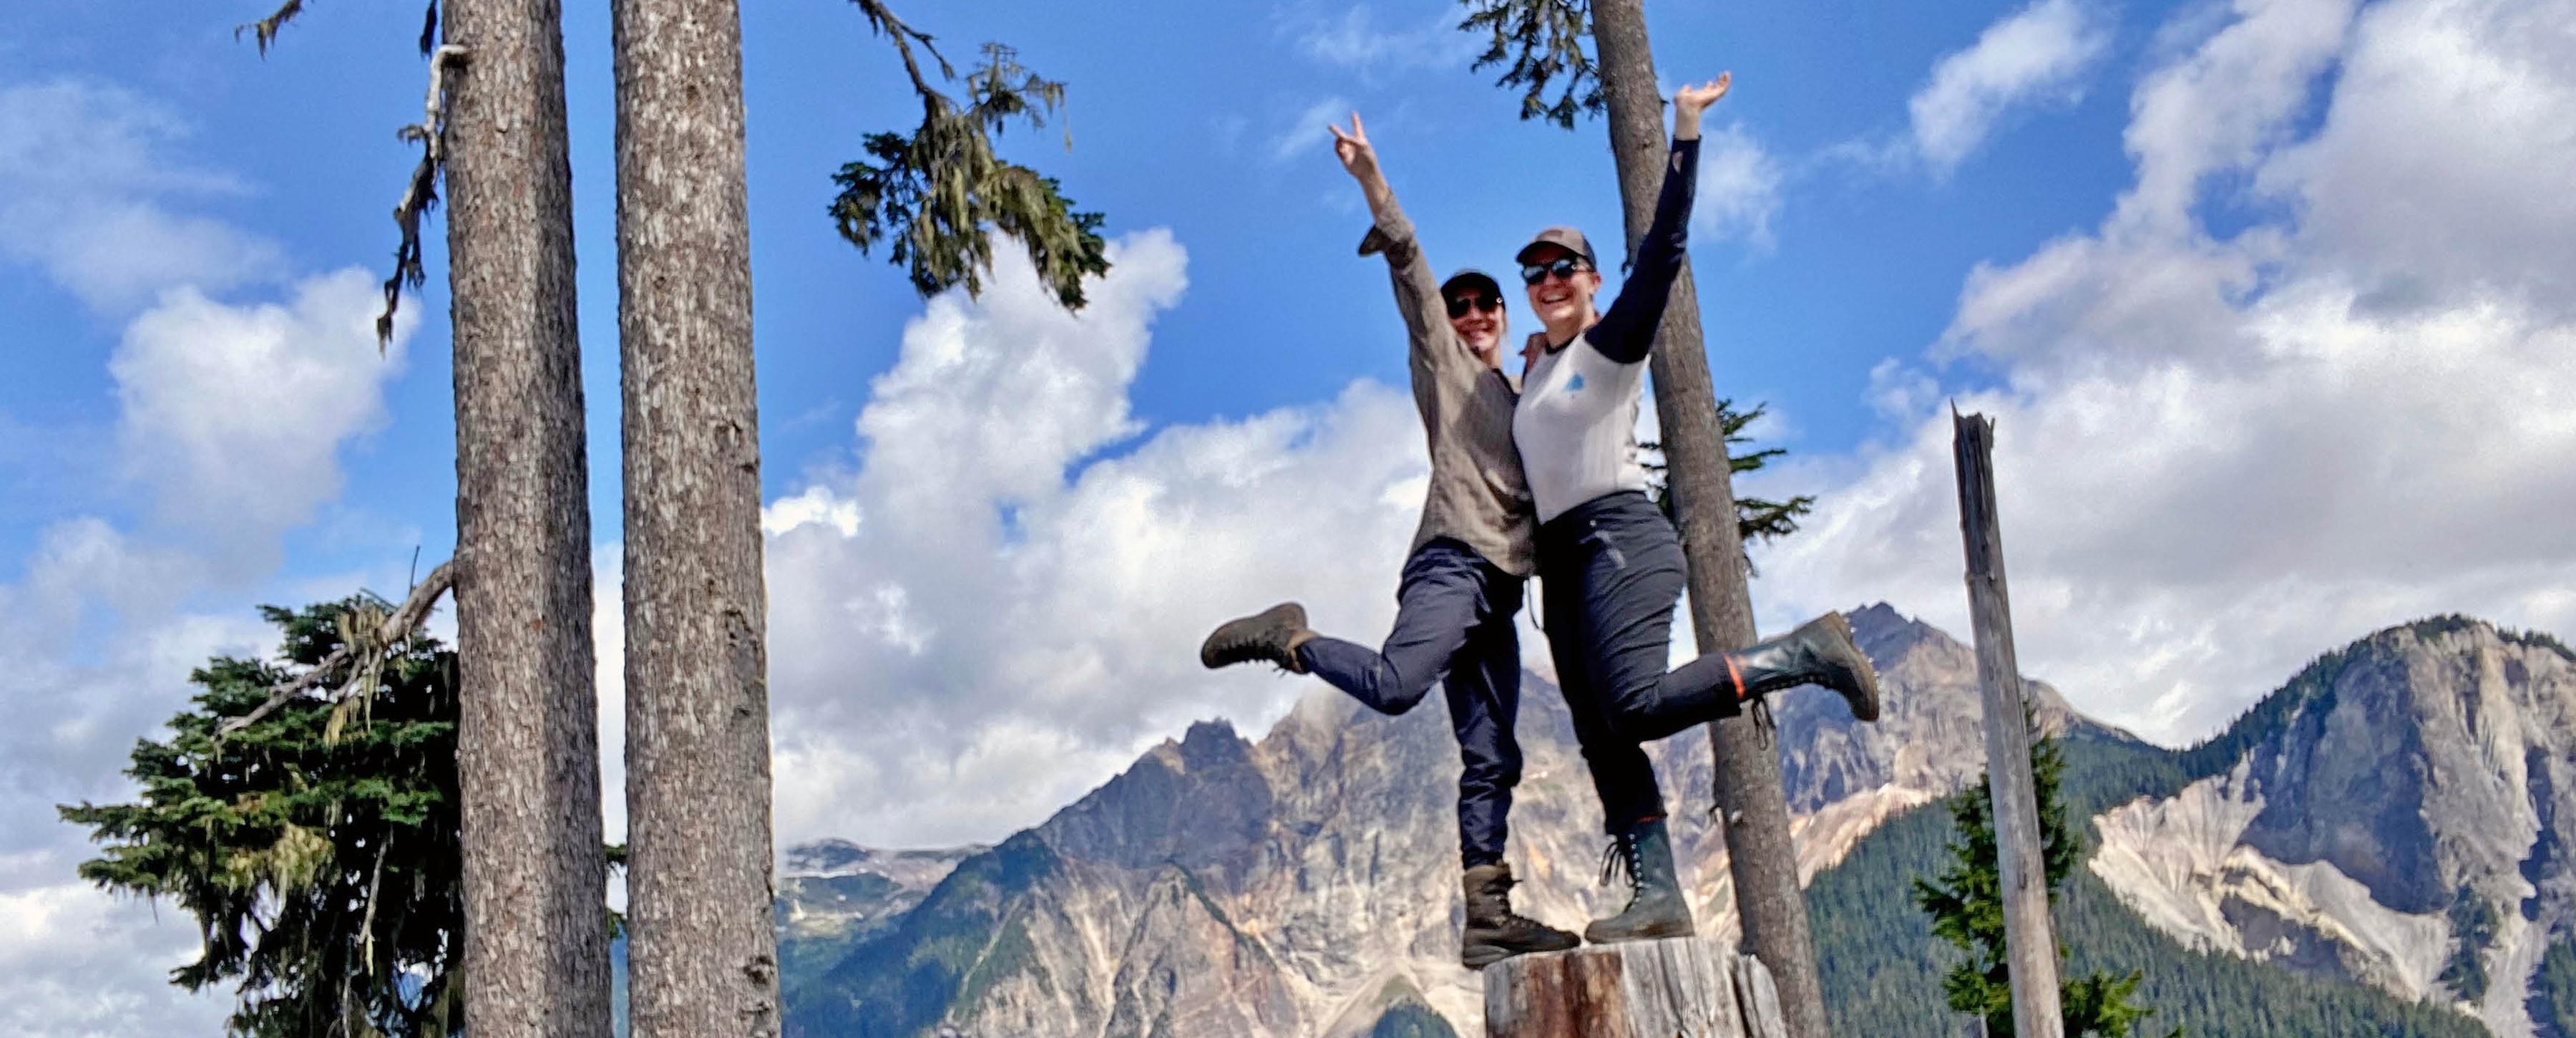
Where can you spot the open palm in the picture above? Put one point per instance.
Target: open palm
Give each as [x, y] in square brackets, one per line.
[1695, 98]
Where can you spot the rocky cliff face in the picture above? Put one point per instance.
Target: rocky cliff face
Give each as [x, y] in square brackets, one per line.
[1222, 887]
[2399, 815]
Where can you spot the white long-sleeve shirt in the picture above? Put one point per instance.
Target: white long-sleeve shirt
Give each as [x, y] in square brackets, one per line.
[1577, 420]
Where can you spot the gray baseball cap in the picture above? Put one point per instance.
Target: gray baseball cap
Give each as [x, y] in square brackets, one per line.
[1473, 278]
[1563, 237]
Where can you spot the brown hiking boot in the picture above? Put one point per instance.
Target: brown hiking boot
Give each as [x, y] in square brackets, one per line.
[1494, 932]
[1269, 636]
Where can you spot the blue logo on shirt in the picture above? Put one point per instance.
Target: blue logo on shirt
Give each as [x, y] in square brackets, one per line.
[1575, 384]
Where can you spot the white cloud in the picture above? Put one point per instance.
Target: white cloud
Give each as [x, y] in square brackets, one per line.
[82, 966]
[1306, 130]
[2443, 167]
[2220, 457]
[983, 622]
[2036, 55]
[1351, 38]
[231, 420]
[235, 415]
[2225, 104]
[1739, 188]
[85, 181]
[78, 962]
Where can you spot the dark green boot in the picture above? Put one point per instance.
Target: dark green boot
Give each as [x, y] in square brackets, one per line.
[1655, 904]
[1269, 636]
[1494, 932]
[1819, 653]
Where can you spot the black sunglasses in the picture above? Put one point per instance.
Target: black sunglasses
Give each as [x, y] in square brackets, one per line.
[1459, 304]
[1562, 266]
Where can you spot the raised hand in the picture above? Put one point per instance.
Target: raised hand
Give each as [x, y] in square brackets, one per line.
[1693, 99]
[1353, 148]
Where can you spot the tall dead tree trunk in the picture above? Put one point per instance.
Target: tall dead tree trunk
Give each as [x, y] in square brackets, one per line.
[536, 950]
[2030, 941]
[1755, 811]
[704, 959]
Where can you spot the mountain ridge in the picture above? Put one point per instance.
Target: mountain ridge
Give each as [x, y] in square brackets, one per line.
[1279, 885]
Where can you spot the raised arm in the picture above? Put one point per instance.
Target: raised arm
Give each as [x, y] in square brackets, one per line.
[1627, 330]
[1417, 293]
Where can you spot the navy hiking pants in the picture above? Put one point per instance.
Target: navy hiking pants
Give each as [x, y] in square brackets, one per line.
[1453, 619]
[1611, 571]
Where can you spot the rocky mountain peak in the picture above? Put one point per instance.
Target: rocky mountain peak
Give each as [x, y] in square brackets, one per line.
[1884, 633]
[1930, 737]
[1198, 802]
[2422, 761]
[2396, 814]
[1306, 883]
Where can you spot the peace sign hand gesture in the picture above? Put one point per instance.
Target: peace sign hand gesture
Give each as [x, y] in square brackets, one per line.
[1353, 149]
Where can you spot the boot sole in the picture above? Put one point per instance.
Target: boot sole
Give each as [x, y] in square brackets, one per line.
[1291, 612]
[1656, 933]
[1864, 707]
[1489, 955]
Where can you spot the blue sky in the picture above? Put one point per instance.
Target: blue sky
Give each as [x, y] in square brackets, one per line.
[2269, 297]
[1278, 310]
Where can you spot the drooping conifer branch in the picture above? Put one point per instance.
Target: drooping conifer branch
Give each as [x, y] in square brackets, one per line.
[1540, 43]
[934, 197]
[264, 31]
[420, 193]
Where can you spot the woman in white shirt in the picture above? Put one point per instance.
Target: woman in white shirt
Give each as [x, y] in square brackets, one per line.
[1610, 564]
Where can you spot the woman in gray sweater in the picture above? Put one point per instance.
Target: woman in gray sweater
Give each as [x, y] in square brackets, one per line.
[1471, 553]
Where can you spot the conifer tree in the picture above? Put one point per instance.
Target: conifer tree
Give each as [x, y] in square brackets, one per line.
[314, 839]
[1966, 906]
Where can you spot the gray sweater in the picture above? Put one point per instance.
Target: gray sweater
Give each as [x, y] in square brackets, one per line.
[1478, 495]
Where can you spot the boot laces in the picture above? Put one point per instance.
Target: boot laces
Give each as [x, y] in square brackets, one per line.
[1623, 856]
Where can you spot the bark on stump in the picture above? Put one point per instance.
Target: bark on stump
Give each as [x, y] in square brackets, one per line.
[1682, 987]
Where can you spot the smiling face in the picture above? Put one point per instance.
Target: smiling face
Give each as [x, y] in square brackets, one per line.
[1561, 297]
[1476, 314]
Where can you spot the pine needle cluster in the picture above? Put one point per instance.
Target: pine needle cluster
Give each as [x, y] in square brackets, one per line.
[1539, 44]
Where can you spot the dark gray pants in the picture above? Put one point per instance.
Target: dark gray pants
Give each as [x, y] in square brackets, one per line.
[1454, 619]
[1610, 572]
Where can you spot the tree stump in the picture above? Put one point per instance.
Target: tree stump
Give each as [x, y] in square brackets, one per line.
[1682, 987]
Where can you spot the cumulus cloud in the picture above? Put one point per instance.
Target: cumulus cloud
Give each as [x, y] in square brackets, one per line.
[1003, 604]
[2220, 456]
[231, 416]
[82, 966]
[235, 415]
[2035, 55]
[87, 180]
[1739, 188]
[97, 655]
